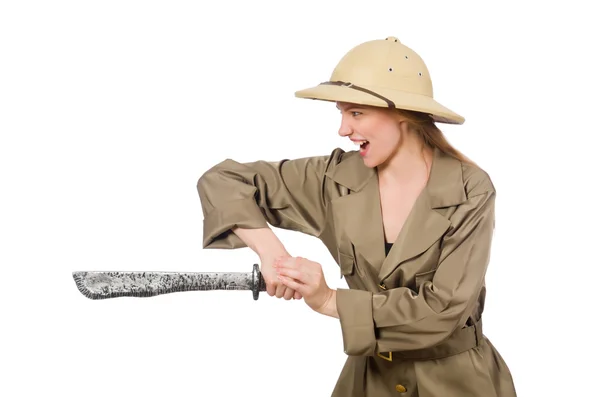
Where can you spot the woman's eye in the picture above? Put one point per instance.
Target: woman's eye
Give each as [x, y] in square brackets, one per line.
[355, 113]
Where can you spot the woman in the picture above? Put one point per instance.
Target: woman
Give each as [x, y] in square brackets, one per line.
[407, 217]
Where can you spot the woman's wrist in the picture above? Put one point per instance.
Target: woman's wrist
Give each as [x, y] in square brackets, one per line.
[330, 306]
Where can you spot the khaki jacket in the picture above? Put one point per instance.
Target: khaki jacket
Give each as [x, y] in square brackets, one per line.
[411, 321]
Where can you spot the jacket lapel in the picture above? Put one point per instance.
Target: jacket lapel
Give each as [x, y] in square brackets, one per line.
[358, 218]
[422, 228]
[358, 215]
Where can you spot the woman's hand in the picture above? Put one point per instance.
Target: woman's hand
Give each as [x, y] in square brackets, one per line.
[307, 277]
[268, 247]
[274, 286]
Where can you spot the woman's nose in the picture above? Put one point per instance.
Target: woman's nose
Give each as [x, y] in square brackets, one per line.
[345, 129]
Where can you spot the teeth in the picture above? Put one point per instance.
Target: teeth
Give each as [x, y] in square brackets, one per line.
[359, 143]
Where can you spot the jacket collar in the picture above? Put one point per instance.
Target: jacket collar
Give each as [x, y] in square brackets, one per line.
[358, 214]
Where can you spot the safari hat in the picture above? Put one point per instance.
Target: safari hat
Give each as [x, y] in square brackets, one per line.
[383, 73]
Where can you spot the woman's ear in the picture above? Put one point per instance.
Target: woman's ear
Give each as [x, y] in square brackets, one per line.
[398, 116]
[403, 124]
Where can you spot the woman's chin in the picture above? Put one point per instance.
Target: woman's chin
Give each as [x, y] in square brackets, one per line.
[370, 163]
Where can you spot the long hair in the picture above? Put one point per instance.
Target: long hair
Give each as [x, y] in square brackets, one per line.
[425, 127]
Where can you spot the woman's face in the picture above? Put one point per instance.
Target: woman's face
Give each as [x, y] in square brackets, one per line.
[377, 130]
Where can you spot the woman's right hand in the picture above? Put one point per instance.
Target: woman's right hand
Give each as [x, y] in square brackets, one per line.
[273, 284]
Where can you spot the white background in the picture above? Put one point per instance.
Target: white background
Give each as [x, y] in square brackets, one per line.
[111, 110]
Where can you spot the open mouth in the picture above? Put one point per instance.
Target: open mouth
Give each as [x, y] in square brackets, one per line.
[364, 145]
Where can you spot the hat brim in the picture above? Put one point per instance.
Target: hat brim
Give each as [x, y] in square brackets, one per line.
[402, 100]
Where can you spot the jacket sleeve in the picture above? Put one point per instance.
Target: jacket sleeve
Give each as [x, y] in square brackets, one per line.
[400, 319]
[288, 194]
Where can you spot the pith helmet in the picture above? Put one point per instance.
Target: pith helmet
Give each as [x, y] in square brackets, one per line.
[383, 73]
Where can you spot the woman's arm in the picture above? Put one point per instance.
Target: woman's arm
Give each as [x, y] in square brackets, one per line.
[240, 200]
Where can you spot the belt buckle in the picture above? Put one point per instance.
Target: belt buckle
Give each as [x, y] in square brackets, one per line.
[389, 357]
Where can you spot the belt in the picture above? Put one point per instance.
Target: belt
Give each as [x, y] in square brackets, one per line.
[460, 341]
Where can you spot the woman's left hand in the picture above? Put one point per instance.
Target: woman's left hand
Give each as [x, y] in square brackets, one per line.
[307, 277]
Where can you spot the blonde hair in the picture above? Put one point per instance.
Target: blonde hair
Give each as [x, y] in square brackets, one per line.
[425, 127]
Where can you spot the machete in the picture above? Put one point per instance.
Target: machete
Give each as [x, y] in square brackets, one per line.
[113, 284]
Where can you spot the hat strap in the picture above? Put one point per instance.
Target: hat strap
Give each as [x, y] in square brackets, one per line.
[350, 85]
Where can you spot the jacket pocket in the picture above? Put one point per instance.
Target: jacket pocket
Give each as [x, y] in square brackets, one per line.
[346, 262]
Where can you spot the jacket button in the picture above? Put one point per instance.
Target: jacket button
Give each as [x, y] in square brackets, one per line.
[400, 388]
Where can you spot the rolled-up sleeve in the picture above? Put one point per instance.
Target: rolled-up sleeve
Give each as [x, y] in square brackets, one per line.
[289, 194]
[355, 311]
[402, 319]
